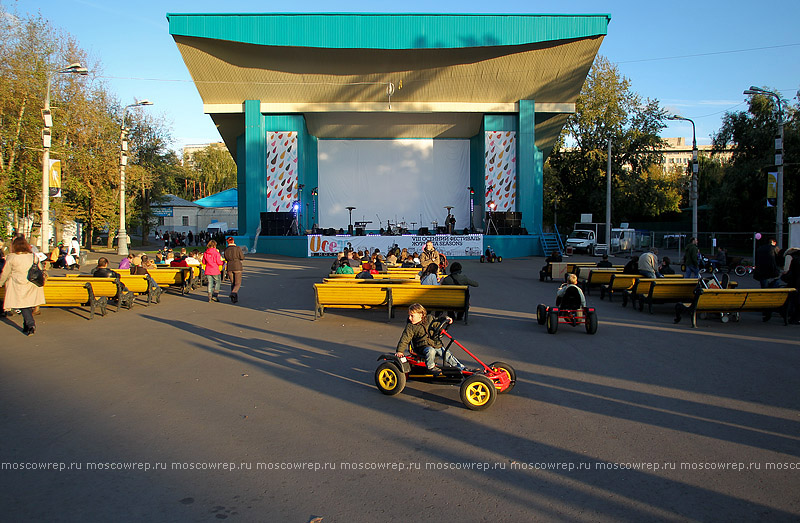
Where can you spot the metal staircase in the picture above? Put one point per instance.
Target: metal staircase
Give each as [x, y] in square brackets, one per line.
[551, 241]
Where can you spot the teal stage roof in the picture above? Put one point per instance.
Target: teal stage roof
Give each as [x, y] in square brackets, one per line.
[388, 31]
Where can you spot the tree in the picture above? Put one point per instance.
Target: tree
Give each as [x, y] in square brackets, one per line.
[575, 173]
[215, 168]
[739, 202]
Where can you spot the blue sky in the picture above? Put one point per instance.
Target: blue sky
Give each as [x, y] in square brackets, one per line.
[696, 57]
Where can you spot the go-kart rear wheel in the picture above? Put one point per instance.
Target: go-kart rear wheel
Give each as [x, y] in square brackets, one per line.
[541, 313]
[483, 259]
[499, 259]
[509, 370]
[389, 379]
[591, 322]
[552, 322]
[740, 271]
[478, 392]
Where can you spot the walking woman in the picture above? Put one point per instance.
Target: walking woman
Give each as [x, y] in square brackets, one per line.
[212, 259]
[20, 293]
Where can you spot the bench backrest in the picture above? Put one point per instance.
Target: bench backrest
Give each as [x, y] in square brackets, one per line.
[742, 299]
[101, 287]
[429, 295]
[170, 275]
[73, 292]
[336, 294]
[679, 289]
[621, 282]
[599, 276]
[136, 283]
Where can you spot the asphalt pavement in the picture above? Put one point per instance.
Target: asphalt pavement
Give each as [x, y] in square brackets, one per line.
[197, 411]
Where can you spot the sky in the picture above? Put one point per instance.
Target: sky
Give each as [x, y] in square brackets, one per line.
[695, 57]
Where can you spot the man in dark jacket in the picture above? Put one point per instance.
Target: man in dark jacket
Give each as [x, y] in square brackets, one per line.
[456, 278]
[102, 270]
[233, 257]
[766, 270]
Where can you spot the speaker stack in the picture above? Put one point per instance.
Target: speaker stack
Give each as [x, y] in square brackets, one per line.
[276, 223]
[507, 223]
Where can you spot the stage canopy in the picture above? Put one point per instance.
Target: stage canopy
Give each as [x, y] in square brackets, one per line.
[504, 84]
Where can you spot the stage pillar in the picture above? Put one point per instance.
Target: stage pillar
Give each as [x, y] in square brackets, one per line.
[252, 172]
[530, 169]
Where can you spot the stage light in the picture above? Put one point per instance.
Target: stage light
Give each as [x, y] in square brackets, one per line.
[471, 191]
[492, 205]
[296, 206]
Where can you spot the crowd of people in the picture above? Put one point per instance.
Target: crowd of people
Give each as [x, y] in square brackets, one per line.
[26, 297]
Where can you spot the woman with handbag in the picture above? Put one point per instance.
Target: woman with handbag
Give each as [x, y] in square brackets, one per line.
[21, 293]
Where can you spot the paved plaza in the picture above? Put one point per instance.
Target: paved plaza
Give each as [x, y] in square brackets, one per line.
[197, 411]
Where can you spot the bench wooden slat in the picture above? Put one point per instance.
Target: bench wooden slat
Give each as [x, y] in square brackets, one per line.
[736, 301]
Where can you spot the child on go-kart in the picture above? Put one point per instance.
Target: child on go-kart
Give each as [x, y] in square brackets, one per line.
[417, 334]
[572, 282]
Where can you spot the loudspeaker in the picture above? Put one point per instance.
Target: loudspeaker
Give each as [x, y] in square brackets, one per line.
[423, 231]
[276, 223]
[360, 231]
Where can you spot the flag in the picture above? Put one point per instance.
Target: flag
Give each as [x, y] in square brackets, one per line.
[772, 189]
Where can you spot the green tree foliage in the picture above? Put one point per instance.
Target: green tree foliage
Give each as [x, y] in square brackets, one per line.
[214, 168]
[85, 134]
[739, 202]
[575, 173]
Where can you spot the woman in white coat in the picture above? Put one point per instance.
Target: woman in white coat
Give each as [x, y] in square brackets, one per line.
[20, 293]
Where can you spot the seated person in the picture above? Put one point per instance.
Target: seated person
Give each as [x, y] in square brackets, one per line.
[604, 263]
[632, 267]
[169, 257]
[366, 272]
[555, 257]
[429, 275]
[141, 265]
[570, 288]
[58, 256]
[194, 259]
[179, 261]
[125, 263]
[339, 256]
[416, 334]
[344, 267]
[160, 259]
[377, 263]
[102, 270]
[456, 278]
[665, 268]
[391, 259]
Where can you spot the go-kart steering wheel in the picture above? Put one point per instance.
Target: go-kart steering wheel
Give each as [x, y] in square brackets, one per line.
[437, 332]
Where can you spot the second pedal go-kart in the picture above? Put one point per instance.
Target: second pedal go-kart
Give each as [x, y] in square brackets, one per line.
[479, 388]
[490, 256]
[567, 310]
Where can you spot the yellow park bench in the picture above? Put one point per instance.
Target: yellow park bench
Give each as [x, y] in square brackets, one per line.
[182, 277]
[374, 281]
[104, 289]
[139, 285]
[73, 292]
[735, 301]
[367, 296]
[386, 276]
[618, 284]
[594, 277]
[664, 290]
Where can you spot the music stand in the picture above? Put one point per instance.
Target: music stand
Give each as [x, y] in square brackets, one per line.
[350, 227]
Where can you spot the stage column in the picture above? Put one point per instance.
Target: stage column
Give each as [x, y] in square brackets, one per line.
[252, 179]
[530, 169]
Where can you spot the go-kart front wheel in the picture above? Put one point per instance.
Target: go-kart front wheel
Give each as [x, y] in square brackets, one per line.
[541, 313]
[478, 392]
[510, 372]
[591, 322]
[389, 379]
[483, 259]
[499, 259]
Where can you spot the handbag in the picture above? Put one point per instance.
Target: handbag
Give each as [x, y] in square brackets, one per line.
[35, 274]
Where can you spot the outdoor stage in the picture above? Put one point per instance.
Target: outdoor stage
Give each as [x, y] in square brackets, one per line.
[452, 246]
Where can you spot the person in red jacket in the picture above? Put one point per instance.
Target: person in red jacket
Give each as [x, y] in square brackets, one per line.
[213, 262]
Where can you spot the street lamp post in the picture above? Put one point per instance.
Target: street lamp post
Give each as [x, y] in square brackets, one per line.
[122, 235]
[695, 167]
[75, 68]
[778, 160]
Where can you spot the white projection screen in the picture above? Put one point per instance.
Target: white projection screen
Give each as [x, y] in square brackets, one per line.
[402, 180]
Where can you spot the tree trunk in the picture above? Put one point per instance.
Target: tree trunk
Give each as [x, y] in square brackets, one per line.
[13, 154]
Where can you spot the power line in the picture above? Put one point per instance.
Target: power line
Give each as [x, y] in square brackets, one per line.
[708, 54]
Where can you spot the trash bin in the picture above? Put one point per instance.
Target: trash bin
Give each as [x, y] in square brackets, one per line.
[569, 250]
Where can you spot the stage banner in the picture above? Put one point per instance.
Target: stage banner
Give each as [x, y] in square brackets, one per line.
[500, 169]
[467, 245]
[55, 178]
[281, 171]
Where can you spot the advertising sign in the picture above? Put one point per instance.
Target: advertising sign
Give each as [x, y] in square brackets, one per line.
[467, 245]
[55, 178]
[165, 212]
